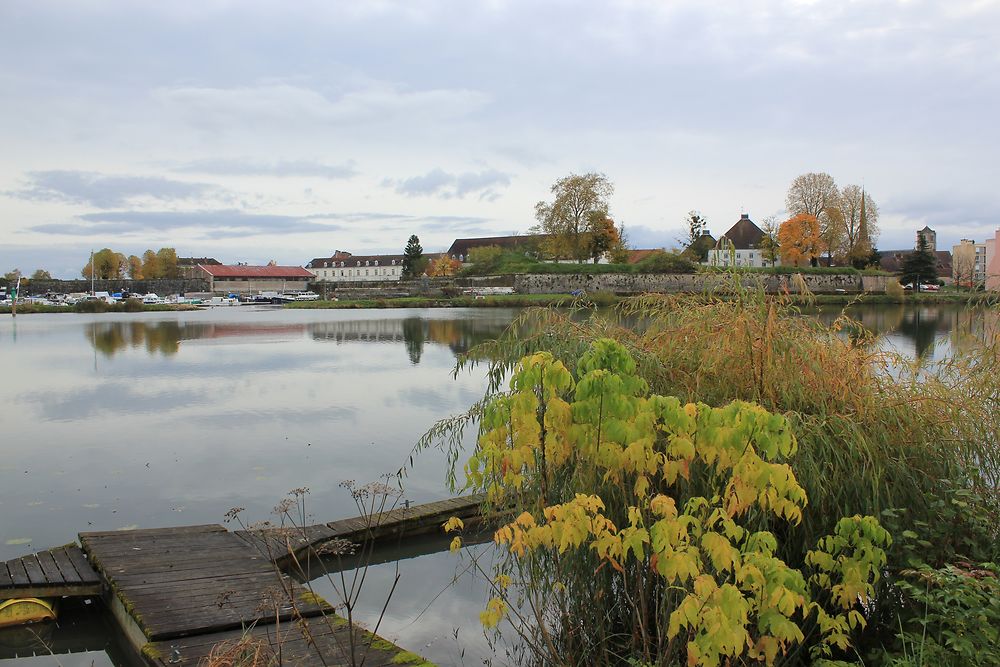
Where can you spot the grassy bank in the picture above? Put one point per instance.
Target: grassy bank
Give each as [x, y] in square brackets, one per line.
[32, 309]
[495, 301]
[608, 299]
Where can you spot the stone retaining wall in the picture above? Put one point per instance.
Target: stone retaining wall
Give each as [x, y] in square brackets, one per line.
[639, 283]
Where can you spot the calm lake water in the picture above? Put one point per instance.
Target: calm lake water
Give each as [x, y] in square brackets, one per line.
[118, 421]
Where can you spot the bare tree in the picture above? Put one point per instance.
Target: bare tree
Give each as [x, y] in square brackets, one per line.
[816, 194]
[768, 245]
[860, 219]
[963, 265]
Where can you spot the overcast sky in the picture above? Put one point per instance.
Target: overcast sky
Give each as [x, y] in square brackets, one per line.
[251, 131]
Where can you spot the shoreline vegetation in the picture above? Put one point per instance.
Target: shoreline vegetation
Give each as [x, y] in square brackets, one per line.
[733, 484]
[530, 300]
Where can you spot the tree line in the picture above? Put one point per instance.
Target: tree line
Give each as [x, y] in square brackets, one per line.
[107, 264]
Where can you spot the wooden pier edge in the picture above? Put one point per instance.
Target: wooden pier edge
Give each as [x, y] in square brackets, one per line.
[159, 585]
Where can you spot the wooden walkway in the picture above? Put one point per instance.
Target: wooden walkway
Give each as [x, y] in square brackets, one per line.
[58, 572]
[178, 592]
[280, 543]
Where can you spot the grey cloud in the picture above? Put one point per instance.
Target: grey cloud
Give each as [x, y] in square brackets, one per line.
[104, 190]
[221, 224]
[640, 237]
[444, 184]
[946, 209]
[281, 168]
[217, 224]
[282, 102]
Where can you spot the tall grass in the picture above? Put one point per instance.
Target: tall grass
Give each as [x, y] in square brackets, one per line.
[878, 435]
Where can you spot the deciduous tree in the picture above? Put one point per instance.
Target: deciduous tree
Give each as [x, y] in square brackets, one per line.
[166, 259]
[799, 239]
[576, 197]
[816, 194]
[859, 215]
[41, 274]
[601, 234]
[768, 245]
[443, 266]
[696, 225]
[963, 265]
[134, 268]
[150, 265]
[619, 252]
[108, 265]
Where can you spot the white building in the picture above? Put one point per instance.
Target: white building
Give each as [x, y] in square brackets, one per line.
[345, 267]
[739, 246]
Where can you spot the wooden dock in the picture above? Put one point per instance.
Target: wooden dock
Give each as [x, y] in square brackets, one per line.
[59, 572]
[178, 592]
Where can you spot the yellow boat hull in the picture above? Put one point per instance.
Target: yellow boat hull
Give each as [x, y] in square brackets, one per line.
[20, 611]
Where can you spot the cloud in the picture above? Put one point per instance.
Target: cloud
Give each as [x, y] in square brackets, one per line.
[211, 224]
[943, 210]
[103, 190]
[282, 168]
[438, 182]
[375, 102]
[231, 223]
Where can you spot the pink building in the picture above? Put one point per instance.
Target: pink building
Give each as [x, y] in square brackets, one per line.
[993, 263]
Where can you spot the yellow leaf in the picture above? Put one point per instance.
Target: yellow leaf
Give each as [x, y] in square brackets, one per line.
[454, 523]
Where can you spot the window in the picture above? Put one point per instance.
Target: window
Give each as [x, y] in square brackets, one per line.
[376, 262]
[394, 262]
[366, 272]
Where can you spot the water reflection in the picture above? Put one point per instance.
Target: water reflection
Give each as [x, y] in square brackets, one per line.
[165, 337]
[932, 332]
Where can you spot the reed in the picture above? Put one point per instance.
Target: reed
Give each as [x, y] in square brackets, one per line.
[878, 435]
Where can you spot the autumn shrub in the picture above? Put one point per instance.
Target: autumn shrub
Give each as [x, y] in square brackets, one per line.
[894, 289]
[91, 306]
[646, 525]
[877, 435]
[132, 305]
[485, 255]
[665, 262]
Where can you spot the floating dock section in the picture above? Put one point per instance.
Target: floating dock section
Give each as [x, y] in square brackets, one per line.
[179, 593]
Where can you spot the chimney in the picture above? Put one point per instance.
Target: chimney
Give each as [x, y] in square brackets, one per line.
[744, 216]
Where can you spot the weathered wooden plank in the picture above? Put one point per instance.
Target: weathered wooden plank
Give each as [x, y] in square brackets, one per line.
[157, 532]
[34, 570]
[327, 639]
[5, 579]
[51, 591]
[83, 566]
[224, 583]
[181, 625]
[49, 568]
[69, 573]
[181, 573]
[154, 550]
[235, 561]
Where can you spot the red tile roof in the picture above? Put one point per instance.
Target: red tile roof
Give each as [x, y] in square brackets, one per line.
[243, 271]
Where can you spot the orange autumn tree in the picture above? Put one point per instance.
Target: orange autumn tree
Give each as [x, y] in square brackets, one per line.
[799, 239]
[444, 266]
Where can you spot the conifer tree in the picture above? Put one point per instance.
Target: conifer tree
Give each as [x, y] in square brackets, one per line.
[413, 258]
[919, 266]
